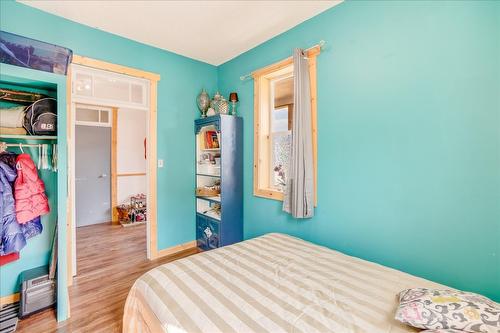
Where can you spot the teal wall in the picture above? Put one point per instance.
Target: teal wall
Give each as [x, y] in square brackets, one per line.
[408, 131]
[408, 137]
[181, 80]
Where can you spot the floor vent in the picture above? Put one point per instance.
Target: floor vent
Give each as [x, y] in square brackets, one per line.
[8, 317]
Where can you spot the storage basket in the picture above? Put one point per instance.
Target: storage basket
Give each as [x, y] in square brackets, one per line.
[31, 53]
[123, 213]
[207, 192]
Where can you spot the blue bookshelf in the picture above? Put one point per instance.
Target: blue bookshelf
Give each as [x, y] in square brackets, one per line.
[219, 166]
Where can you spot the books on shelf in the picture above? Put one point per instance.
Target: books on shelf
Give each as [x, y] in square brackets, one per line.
[211, 140]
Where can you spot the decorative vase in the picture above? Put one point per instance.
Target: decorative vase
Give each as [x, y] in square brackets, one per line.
[223, 106]
[203, 101]
[214, 104]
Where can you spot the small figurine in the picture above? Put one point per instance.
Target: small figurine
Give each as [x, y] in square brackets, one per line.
[210, 112]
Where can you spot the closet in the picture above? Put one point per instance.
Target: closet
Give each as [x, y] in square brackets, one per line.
[49, 155]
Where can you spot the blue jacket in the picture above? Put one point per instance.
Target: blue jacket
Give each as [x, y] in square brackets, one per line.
[13, 236]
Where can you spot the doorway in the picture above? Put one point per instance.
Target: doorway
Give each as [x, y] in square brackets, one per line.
[110, 175]
[130, 105]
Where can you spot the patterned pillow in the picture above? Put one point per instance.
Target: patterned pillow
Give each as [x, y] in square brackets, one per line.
[448, 309]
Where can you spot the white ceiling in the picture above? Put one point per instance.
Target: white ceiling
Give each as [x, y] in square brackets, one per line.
[210, 31]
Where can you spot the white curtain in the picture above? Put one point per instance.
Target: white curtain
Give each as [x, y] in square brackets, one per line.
[299, 191]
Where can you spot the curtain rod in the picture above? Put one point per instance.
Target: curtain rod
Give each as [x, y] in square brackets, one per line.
[4, 145]
[320, 44]
[23, 144]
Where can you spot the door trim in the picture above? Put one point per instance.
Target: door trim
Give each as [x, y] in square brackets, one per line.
[108, 66]
[152, 248]
[114, 163]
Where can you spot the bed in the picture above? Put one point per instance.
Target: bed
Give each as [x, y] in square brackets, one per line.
[272, 283]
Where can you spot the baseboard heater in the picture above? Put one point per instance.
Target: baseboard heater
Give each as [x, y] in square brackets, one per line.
[38, 291]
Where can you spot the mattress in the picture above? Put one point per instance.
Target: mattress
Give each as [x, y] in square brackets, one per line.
[272, 283]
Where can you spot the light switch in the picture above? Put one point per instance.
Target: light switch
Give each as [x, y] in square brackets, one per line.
[160, 163]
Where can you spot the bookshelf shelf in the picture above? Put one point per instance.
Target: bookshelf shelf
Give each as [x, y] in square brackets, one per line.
[213, 199]
[207, 175]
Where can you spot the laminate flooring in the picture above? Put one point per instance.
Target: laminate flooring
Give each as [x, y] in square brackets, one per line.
[109, 259]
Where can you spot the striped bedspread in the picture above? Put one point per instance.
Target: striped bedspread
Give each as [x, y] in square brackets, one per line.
[273, 283]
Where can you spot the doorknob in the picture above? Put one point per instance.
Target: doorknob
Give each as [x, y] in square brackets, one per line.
[102, 175]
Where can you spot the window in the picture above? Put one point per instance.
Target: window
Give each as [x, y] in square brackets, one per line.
[107, 88]
[273, 110]
[281, 130]
[90, 115]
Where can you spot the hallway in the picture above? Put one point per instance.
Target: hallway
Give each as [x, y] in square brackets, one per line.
[110, 259]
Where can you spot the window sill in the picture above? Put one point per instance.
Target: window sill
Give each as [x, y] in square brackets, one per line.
[275, 195]
[268, 194]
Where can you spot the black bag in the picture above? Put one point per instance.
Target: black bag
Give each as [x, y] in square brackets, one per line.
[41, 117]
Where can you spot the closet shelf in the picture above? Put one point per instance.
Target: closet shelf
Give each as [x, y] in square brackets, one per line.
[28, 137]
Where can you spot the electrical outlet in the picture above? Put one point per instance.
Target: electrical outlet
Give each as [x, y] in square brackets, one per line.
[160, 163]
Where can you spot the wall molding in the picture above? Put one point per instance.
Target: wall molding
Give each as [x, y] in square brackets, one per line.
[9, 299]
[176, 249]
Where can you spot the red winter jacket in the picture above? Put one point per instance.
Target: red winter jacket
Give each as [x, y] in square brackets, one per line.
[29, 191]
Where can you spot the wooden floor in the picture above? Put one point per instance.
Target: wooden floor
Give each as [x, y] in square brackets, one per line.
[109, 259]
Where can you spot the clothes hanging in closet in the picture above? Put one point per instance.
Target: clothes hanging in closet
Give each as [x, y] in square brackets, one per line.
[13, 239]
[29, 194]
[9, 158]
[13, 236]
[9, 258]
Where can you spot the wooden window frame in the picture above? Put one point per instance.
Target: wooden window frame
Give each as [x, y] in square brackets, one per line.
[261, 140]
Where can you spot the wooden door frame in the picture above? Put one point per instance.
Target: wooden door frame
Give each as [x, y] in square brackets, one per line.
[153, 78]
[114, 166]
